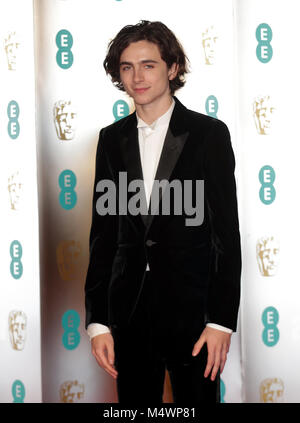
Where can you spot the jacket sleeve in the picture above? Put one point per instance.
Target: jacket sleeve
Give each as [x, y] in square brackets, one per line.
[221, 202]
[102, 247]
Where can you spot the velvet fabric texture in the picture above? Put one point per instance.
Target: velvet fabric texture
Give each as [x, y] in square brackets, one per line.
[195, 269]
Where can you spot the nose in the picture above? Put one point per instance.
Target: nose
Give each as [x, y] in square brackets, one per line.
[138, 75]
[68, 119]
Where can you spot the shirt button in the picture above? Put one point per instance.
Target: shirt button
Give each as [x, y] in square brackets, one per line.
[149, 242]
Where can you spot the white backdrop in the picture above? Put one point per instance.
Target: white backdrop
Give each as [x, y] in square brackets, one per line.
[20, 353]
[247, 76]
[82, 82]
[270, 311]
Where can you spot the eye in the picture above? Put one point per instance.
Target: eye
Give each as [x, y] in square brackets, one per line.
[149, 66]
[125, 68]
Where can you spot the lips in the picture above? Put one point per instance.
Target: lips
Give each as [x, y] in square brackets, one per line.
[140, 90]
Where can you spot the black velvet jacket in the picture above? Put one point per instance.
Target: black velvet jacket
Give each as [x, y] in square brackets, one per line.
[195, 269]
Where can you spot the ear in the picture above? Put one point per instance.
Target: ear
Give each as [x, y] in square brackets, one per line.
[172, 73]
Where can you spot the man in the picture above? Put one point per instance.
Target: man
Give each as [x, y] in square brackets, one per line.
[161, 293]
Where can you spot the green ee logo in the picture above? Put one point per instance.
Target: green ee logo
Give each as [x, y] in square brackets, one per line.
[13, 127]
[270, 318]
[222, 391]
[16, 266]
[267, 191]
[18, 391]
[70, 324]
[264, 50]
[120, 110]
[212, 106]
[67, 183]
[64, 55]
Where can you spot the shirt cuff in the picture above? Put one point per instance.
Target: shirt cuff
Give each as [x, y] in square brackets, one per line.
[219, 327]
[95, 329]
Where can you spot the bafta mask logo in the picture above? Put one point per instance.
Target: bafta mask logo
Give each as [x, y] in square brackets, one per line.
[15, 188]
[65, 119]
[17, 324]
[71, 391]
[11, 45]
[67, 255]
[263, 114]
[267, 254]
[272, 390]
[209, 40]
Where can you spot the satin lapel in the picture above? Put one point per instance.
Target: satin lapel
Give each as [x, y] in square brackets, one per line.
[171, 151]
[131, 157]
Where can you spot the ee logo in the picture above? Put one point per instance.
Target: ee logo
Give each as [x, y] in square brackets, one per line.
[16, 266]
[120, 109]
[222, 391]
[270, 318]
[264, 50]
[64, 55]
[18, 391]
[70, 324]
[212, 106]
[267, 191]
[13, 112]
[67, 183]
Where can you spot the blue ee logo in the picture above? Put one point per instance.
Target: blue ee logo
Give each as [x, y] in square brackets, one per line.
[70, 324]
[264, 50]
[270, 318]
[120, 110]
[64, 55]
[67, 182]
[18, 391]
[211, 106]
[222, 391]
[16, 266]
[13, 127]
[267, 192]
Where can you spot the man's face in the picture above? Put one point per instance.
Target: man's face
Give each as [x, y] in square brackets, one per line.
[14, 188]
[263, 115]
[209, 45]
[11, 53]
[145, 76]
[268, 258]
[66, 123]
[17, 330]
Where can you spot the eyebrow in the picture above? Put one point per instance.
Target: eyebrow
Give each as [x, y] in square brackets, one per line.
[142, 61]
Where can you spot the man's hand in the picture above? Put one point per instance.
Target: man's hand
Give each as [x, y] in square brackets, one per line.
[218, 343]
[103, 351]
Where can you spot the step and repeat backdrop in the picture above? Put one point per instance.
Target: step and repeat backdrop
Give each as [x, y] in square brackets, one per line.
[20, 353]
[56, 97]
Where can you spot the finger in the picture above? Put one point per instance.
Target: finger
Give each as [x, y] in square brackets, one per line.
[199, 344]
[107, 366]
[223, 358]
[216, 366]
[111, 354]
[104, 363]
[210, 363]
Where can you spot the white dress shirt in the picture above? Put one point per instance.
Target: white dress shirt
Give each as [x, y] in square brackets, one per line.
[151, 141]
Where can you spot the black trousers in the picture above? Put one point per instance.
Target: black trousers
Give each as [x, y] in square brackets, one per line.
[147, 347]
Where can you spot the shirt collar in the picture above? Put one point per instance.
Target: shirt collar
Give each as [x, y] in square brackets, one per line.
[164, 119]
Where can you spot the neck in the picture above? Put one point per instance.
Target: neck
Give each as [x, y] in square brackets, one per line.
[150, 112]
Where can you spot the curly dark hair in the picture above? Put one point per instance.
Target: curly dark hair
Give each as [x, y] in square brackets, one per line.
[170, 49]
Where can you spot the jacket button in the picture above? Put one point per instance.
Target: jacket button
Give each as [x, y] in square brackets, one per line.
[149, 242]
